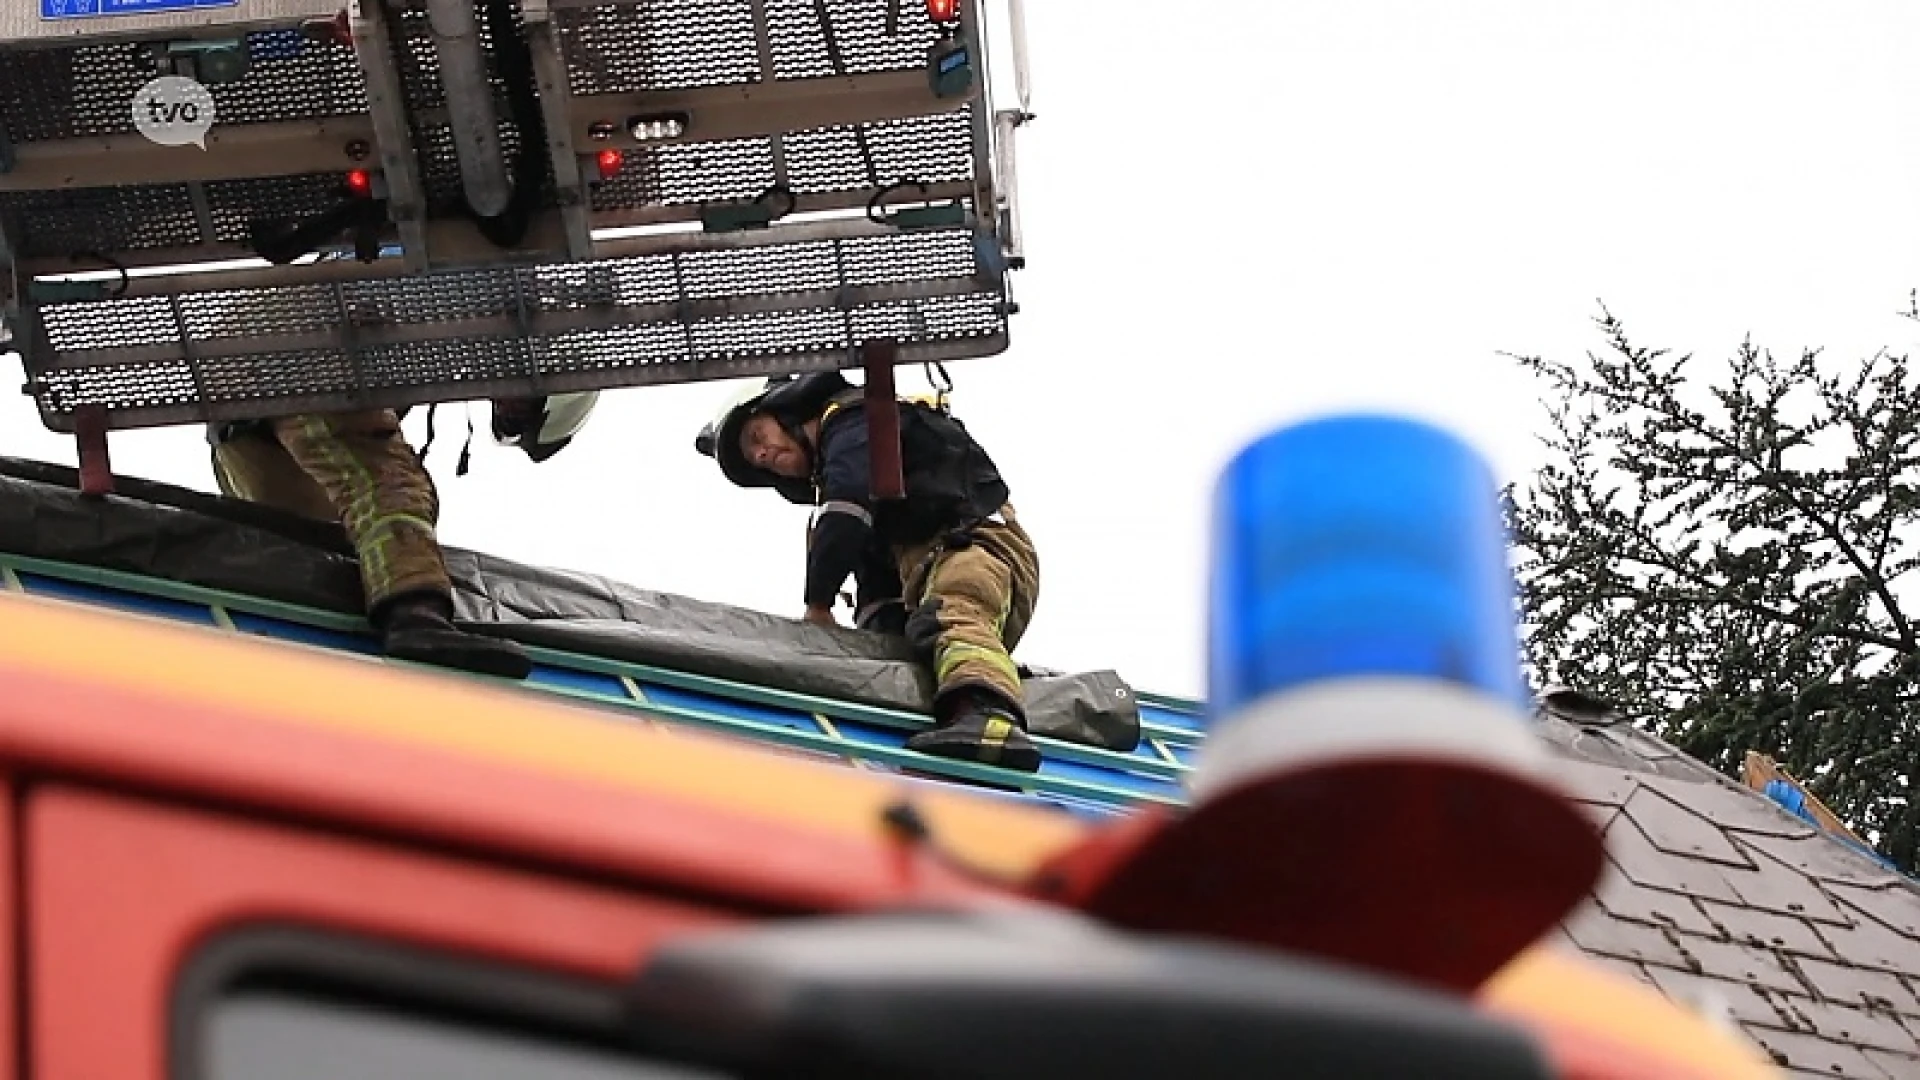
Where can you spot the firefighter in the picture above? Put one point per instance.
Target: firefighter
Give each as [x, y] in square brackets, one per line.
[966, 571]
[357, 468]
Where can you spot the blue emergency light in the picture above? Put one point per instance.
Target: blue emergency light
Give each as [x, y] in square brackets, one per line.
[1358, 546]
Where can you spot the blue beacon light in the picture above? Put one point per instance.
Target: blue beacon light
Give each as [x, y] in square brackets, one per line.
[1371, 788]
[1359, 546]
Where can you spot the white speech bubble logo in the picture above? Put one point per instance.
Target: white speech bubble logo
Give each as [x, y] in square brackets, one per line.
[173, 110]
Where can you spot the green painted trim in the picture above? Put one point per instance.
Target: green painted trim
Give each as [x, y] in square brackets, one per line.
[633, 678]
[839, 710]
[640, 673]
[188, 594]
[1189, 706]
[898, 757]
[1172, 736]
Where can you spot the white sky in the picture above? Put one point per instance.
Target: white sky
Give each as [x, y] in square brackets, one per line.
[1242, 214]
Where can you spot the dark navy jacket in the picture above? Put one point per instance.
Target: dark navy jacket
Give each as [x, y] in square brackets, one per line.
[951, 484]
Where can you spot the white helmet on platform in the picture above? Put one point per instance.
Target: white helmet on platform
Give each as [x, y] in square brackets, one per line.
[542, 435]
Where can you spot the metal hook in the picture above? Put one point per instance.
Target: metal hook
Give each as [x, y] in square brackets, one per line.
[874, 212]
[783, 190]
[112, 264]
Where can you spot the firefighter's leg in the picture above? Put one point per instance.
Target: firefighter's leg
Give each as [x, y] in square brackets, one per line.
[972, 601]
[379, 491]
[387, 502]
[1024, 563]
[252, 465]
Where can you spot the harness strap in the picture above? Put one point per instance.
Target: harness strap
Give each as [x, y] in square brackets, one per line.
[876, 462]
[887, 480]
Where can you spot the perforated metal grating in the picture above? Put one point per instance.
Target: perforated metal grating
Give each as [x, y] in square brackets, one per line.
[689, 44]
[271, 378]
[69, 92]
[440, 165]
[418, 64]
[683, 44]
[665, 317]
[929, 149]
[81, 222]
[664, 45]
[853, 41]
[416, 61]
[87, 90]
[689, 174]
[49, 224]
[234, 203]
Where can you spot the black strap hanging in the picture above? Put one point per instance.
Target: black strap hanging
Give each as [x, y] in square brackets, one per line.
[466, 452]
[942, 386]
[428, 445]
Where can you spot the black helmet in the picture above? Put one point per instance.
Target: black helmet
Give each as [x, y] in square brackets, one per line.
[793, 399]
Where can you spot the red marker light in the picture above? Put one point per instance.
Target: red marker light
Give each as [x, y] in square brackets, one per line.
[609, 162]
[942, 11]
[360, 182]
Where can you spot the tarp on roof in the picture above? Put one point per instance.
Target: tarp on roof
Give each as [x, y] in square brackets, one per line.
[163, 531]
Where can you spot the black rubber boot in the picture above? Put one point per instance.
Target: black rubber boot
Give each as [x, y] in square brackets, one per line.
[889, 618]
[981, 727]
[419, 627]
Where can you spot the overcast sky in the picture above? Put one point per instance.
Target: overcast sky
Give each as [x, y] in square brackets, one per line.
[1254, 213]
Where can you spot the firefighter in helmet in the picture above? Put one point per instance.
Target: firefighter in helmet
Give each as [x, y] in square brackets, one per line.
[963, 568]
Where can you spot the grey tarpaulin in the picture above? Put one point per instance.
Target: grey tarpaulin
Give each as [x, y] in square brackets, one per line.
[163, 531]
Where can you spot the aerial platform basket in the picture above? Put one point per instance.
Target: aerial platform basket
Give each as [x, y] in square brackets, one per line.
[716, 188]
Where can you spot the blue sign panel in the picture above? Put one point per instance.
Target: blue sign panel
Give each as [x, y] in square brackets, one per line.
[93, 9]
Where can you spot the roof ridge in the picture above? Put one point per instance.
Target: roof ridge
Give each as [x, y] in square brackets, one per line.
[1587, 713]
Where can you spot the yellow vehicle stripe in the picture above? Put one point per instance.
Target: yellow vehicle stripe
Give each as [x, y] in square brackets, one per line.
[298, 684]
[301, 684]
[1547, 984]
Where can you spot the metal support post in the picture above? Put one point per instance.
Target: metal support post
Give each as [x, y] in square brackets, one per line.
[90, 434]
[883, 418]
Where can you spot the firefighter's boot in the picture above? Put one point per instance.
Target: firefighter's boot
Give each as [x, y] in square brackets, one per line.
[419, 627]
[981, 727]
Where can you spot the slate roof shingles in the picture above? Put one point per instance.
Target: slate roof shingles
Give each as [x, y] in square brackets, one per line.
[1719, 897]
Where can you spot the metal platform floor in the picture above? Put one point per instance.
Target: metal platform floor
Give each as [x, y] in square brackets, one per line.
[703, 189]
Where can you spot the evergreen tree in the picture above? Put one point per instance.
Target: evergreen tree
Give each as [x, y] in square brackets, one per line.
[1731, 562]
